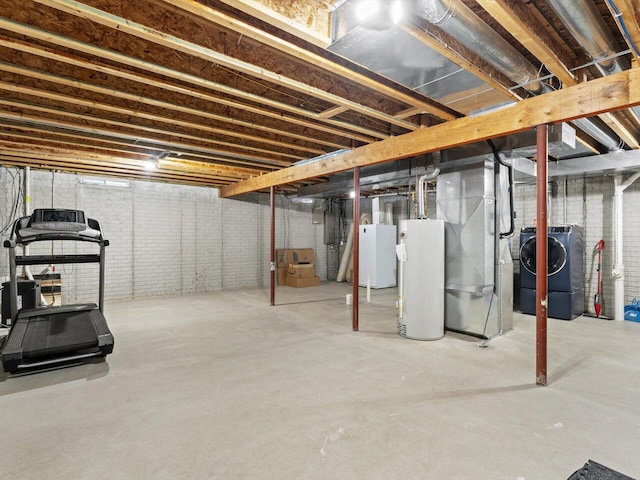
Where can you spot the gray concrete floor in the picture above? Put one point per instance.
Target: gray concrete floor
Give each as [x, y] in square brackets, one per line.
[223, 386]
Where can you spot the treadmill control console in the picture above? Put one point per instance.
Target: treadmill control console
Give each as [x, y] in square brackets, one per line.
[54, 219]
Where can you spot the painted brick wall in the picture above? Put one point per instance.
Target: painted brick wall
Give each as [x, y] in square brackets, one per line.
[167, 239]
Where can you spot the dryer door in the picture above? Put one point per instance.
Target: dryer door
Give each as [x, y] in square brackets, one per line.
[556, 255]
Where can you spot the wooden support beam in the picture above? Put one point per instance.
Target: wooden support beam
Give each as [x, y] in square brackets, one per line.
[261, 36]
[618, 91]
[169, 41]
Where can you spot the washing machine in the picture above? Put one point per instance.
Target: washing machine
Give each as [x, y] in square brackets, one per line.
[565, 264]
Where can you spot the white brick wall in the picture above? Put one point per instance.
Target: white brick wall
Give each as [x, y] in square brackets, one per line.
[167, 239]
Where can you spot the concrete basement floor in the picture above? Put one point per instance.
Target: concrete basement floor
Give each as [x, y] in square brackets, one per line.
[223, 386]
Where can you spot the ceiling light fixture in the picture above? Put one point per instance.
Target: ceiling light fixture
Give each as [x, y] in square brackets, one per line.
[150, 165]
[367, 9]
[397, 12]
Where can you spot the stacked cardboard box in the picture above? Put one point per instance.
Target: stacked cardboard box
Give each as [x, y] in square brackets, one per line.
[296, 267]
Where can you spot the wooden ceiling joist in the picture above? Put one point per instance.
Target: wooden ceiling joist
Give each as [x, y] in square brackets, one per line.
[166, 145]
[48, 164]
[168, 107]
[626, 13]
[41, 132]
[147, 80]
[24, 142]
[44, 94]
[169, 41]
[335, 127]
[110, 165]
[516, 18]
[286, 24]
[618, 91]
[242, 28]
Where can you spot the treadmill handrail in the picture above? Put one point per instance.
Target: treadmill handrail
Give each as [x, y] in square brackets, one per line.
[16, 238]
[56, 259]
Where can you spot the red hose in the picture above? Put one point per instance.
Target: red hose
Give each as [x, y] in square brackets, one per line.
[597, 305]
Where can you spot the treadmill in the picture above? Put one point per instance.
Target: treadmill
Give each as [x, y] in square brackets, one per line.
[44, 336]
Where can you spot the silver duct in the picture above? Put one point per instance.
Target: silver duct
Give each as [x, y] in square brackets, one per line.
[583, 20]
[466, 27]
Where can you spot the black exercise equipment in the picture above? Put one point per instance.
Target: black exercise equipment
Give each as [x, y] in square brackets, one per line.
[47, 335]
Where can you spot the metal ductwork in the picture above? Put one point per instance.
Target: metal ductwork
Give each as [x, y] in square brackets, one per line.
[583, 20]
[467, 28]
[458, 21]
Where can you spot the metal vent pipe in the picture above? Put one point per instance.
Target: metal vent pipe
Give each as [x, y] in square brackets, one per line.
[457, 20]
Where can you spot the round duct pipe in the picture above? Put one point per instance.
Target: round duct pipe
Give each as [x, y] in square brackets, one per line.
[457, 20]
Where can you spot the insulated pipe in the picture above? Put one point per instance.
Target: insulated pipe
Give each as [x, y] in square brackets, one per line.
[421, 182]
[356, 247]
[582, 18]
[541, 254]
[618, 266]
[344, 262]
[272, 268]
[466, 27]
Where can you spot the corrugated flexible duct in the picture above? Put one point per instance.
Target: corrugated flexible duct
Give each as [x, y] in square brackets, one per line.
[466, 27]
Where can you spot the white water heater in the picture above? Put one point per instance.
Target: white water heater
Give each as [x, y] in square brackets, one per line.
[377, 255]
[421, 279]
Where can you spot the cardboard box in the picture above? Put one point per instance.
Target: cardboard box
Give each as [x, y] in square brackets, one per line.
[303, 282]
[295, 256]
[301, 271]
[281, 275]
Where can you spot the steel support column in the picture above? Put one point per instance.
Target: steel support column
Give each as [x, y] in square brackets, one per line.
[541, 255]
[356, 245]
[273, 247]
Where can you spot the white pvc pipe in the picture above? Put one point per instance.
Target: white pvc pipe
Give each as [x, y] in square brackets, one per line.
[618, 265]
[344, 262]
[368, 289]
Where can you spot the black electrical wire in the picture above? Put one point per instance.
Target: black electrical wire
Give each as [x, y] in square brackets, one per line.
[512, 213]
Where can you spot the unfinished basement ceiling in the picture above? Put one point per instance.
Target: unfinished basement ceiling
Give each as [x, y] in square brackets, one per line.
[214, 92]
